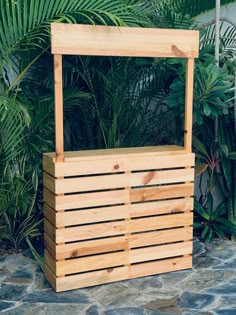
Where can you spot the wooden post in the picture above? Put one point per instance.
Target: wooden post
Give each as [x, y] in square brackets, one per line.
[58, 92]
[188, 105]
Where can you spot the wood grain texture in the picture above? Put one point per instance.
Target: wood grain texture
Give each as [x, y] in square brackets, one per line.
[111, 181]
[119, 163]
[159, 266]
[160, 252]
[161, 207]
[78, 265]
[189, 105]
[91, 278]
[76, 217]
[71, 39]
[80, 249]
[160, 222]
[161, 192]
[58, 91]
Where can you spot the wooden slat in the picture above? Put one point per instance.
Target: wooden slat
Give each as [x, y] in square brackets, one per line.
[84, 248]
[87, 200]
[89, 263]
[161, 177]
[50, 277]
[90, 231]
[82, 184]
[58, 90]
[67, 218]
[101, 154]
[161, 207]
[160, 237]
[160, 266]
[91, 278]
[160, 251]
[121, 164]
[161, 192]
[189, 105]
[71, 39]
[161, 222]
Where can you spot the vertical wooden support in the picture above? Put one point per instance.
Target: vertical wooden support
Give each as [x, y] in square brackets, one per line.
[58, 86]
[188, 105]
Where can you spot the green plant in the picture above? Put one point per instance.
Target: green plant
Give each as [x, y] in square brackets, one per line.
[211, 221]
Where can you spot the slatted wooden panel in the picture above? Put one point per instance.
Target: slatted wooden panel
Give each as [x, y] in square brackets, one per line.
[117, 217]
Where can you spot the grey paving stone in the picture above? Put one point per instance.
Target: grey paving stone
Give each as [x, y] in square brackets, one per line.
[173, 278]
[192, 312]
[22, 276]
[229, 311]
[229, 264]
[10, 292]
[40, 282]
[205, 261]
[49, 296]
[126, 311]
[71, 309]
[228, 288]
[5, 305]
[145, 283]
[116, 295]
[198, 248]
[93, 310]
[227, 300]
[162, 306]
[206, 279]
[222, 249]
[150, 312]
[191, 300]
[27, 309]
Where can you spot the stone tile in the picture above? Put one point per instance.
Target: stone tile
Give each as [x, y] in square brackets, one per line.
[27, 309]
[205, 261]
[93, 310]
[55, 309]
[228, 288]
[115, 295]
[10, 292]
[50, 296]
[126, 311]
[197, 313]
[228, 264]
[229, 311]
[150, 312]
[191, 300]
[5, 305]
[164, 306]
[173, 278]
[145, 283]
[198, 248]
[205, 279]
[22, 276]
[222, 249]
[40, 282]
[164, 293]
[227, 300]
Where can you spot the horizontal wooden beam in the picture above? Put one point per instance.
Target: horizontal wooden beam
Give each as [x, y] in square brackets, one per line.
[72, 39]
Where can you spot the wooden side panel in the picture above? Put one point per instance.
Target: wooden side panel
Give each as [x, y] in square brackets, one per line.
[133, 217]
[71, 39]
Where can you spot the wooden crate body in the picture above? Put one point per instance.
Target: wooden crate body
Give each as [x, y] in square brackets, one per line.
[117, 214]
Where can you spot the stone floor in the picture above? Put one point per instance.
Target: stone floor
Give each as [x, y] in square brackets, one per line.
[210, 288]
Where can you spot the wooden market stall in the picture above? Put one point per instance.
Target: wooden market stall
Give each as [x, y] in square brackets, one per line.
[134, 216]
